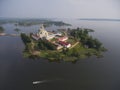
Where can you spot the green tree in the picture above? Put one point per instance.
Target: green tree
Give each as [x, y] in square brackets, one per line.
[90, 43]
[44, 45]
[97, 44]
[1, 29]
[26, 39]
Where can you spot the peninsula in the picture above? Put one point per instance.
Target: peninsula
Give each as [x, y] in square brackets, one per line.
[67, 45]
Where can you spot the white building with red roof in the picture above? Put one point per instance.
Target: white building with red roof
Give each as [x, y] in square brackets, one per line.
[42, 33]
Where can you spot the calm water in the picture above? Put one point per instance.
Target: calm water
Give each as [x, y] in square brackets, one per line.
[18, 73]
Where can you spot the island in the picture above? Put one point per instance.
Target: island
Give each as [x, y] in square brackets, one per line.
[66, 45]
[29, 22]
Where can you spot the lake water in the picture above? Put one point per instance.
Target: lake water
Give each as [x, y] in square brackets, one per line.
[18, 73]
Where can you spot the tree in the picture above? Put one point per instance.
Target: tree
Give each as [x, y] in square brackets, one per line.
[75, 52]
[44, 45]
[90, 42]
[29, 47]
[41, 45]
[26, 39]
[1, 29]
[97, 44]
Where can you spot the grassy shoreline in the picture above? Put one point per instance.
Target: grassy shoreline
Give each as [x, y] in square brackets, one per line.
[60, 55]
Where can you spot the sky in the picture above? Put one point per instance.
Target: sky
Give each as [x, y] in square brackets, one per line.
[60, 8]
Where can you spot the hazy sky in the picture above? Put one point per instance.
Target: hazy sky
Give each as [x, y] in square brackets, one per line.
[60, 8]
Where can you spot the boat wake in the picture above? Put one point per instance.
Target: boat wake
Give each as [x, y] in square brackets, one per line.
[38, 82]
[44, 81]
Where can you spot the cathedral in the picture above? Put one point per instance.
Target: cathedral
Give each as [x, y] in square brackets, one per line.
[43, 34]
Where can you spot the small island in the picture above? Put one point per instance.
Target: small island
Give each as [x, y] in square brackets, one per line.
[66, 45]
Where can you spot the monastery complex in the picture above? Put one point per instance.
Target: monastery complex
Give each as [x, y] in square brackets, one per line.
[59, 40]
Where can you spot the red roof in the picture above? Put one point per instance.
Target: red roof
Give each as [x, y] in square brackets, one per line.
[63, 43]
[34, 35]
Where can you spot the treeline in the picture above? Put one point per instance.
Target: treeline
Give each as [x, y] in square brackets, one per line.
[46, 45]
[88, 41]
[41, 44]
[56, 23]
[26, 39]
[30, 22]
[29, 45]
[46, 23]
[1, 29]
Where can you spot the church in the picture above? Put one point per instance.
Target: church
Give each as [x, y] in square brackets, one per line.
[43, 34]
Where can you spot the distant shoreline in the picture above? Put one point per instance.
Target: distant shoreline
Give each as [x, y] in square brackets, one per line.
[97, 19]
